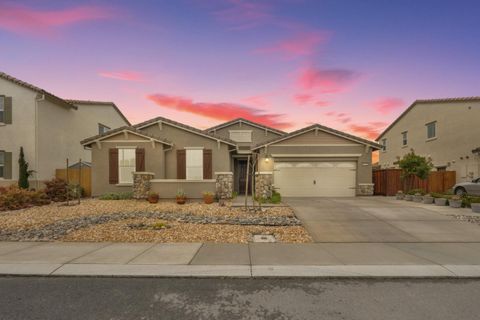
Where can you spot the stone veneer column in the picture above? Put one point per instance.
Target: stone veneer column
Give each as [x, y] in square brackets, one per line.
[365, 189]
[224, 185]
[141, 184]
[263, 184]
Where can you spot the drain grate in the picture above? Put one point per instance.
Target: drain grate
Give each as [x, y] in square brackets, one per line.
[264, 238]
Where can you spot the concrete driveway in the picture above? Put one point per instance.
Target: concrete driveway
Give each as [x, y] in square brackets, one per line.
[380, 219]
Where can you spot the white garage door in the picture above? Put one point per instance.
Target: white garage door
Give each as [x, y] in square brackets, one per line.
[315, 179]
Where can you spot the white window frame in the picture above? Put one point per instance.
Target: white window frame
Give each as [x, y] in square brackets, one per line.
[404, 138]
[247, 140]
[384, 145]
[2, 164]
[193, 171]
[434, 123]
[2, 109]
[121, 178]
[100, 126]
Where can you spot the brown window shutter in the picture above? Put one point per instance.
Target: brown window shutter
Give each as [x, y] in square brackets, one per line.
[181, 164]
[113, 166]
[7, 168]
[207, 164]
[139, 159]
[8, 110]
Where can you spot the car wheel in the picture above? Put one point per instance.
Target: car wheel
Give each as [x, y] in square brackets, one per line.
[460, 191]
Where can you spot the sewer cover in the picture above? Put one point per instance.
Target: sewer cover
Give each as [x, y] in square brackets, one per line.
[264, 238]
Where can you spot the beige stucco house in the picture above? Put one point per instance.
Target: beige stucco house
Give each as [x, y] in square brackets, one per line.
[163, 155]
[446, 130]
[48, 128]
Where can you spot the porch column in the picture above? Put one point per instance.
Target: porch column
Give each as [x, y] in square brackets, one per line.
[224, 185]
[264, 184]
[141, 184]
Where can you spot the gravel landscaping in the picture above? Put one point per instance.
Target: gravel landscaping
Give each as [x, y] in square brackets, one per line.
[101, 220]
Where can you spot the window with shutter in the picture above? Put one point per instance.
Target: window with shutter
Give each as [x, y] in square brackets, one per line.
[126, 165]
[2, 109]
[2, 164]
[194, 164]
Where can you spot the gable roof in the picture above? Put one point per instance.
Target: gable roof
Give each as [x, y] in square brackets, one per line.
[444, 100]
[321, 128]
[99, 137]
[243, 120]
[102, 103]
[27, 85]
[183, 127]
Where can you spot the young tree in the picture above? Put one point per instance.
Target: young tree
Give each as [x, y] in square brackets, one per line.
[414, 165]
[23, 172]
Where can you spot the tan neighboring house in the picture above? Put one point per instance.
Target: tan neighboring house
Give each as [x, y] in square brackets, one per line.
[162, 155]
[48, 128]
[447, 130]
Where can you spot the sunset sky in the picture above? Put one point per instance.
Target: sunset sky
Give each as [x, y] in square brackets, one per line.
[349, 65]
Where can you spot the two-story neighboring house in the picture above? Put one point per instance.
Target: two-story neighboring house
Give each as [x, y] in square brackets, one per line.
[48, 128]
[446, 130]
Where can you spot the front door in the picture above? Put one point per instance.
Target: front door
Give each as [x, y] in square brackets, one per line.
[241, 177]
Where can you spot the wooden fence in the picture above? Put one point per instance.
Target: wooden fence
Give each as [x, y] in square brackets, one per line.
[388, 181]
[84, 178]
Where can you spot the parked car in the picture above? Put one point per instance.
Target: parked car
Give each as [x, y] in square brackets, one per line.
[470, 188]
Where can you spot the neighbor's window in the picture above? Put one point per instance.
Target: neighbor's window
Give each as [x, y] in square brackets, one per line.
[102, 129]
[431, 130]
[126, 165]
[241, 135]
[404, 138]
[2, 109]
[194, 164]
[384, 144]
[2, 164]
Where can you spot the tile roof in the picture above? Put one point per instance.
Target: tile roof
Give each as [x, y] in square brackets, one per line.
[187, 127]
[441, 100]
[119, 130]
[27, 85]
[105, 103]
[226, 124]
[323, 128]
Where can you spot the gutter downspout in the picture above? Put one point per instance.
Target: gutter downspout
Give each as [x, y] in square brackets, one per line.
[37, 184]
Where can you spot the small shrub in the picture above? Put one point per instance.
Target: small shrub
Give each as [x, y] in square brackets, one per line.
[276, 197]
[14, 198]
[56, 190]
[116, 196]
[416, 191]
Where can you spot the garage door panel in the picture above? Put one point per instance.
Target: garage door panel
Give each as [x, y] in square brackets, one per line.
[315, 179]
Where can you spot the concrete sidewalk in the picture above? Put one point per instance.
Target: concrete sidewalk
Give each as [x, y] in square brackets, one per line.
[241, 260]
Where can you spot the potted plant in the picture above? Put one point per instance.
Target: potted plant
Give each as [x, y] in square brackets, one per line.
[475, 204]
[208, 197]
[400, 195]
[441, 201]
[152, 197]
[428, 199]
[408, 197]
[417, 197]
[181, 197]
[455, 201]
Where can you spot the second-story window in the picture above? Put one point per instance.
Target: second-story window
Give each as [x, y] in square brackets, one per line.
[404, 138]
[102, 128]
[384, 144]
[431, 130]
[2, 109]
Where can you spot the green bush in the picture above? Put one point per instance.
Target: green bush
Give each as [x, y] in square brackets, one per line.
[276, 197]
[14, 198]
[415, 191]
[468, 200]
[116, 196]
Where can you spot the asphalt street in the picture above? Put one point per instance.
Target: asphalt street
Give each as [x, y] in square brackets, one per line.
[181, 298]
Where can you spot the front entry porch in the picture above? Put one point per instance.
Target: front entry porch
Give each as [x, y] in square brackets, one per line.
[240, 176]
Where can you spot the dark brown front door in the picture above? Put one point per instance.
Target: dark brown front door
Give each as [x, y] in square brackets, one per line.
[241, 176]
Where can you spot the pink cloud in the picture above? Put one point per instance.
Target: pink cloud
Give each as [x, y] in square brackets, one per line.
[123, 75]
[326, 80]
[370, 130]
[259, 100]
[302, 99]
[244, 14]
[340, 117]
[25, 20]
[386, 105]
[303, 44]
[321, 103]
[218, 111]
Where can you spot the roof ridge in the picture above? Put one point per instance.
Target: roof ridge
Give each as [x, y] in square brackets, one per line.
[247, 121]
[120, 129]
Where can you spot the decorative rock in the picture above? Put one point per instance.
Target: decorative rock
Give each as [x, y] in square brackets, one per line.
[224, 185]
[365, 189]
[141, 184]
[263, 184]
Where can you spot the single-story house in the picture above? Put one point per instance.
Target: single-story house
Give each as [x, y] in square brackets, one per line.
[162, 155]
